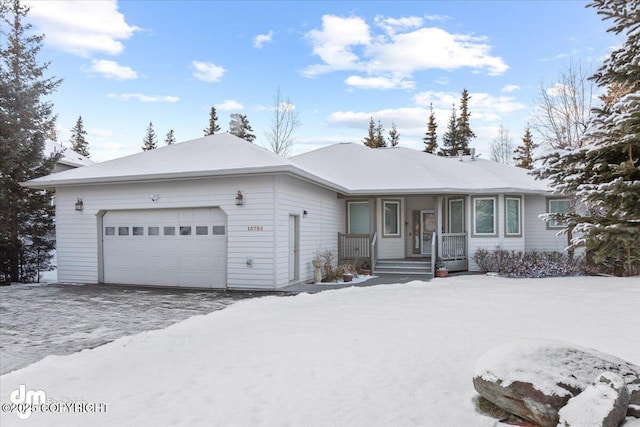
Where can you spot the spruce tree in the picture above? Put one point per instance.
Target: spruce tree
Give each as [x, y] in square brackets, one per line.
[450, 136]
[464, 132]
[150, 140]
[524, 153]
[26, 215]
[79, 144]
[394, 136]
[213, 123]
[604, 174]
[240, 127]
[370, 140]
[170, 138]
[380, 139]
[431, 137]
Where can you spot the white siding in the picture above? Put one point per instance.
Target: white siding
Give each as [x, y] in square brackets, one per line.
[538, 237]
[77, 232]
[494, 242]
[390, 247]
[319, 230]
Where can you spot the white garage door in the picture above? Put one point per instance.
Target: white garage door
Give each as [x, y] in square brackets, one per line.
[166, 247]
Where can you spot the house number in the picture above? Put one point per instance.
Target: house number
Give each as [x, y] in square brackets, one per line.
[255, 228]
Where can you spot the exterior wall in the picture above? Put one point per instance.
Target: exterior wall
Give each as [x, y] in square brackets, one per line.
[501, 241]
[538, 237]
[390, 247]
[415, 203]
[78, 232]
[319, 230]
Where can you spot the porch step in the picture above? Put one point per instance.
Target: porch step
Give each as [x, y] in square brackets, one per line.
[403, 267]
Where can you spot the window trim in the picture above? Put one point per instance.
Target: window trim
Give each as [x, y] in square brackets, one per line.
[449, 221]
[494, 199]
[398, 218]
[506, 215]
[349, 203]
[556, 199]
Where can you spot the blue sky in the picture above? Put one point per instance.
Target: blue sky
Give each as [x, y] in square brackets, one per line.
[127, 63]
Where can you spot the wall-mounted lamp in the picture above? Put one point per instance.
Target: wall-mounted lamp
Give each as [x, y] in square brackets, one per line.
[79, 205]
[155, 197]
[304, 214]
[239, 199]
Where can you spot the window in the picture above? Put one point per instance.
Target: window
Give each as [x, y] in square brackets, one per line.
[484, 216]
[153, 231]
[358, 222]
[109, 231]
[123, 231]
[185, 231]
[557, 206]
[217, 230]
[391, 227]
[513, 217]
[138, 231]
[169, 231]
[456, 216]
[202, 230]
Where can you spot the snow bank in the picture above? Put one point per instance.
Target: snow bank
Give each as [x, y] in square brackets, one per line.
[383, 355]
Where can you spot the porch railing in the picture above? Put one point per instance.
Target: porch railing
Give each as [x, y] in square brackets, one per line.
[373, 255]
[357, 247]
[454, 247]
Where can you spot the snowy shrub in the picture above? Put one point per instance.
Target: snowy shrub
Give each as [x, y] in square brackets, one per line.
[528, 264]
[346, 269]
[329, 258]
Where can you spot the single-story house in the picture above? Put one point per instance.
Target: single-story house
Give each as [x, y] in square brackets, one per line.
[220, 212]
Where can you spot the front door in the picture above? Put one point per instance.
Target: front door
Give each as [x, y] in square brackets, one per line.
[427, 227]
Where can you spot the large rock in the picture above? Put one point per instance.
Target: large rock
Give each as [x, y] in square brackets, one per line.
[533, 379]
[602, 404]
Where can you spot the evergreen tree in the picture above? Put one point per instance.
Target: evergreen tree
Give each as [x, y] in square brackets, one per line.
[213, 123]
[431, 137]
[78, 142]
[150, 140]
[450, 137]
[464, 132]
[394, 136]
[370, 140]
[524, 153]
[26, 215]
[240, 127]
[604, 173]
[380, 140]
[170, 138]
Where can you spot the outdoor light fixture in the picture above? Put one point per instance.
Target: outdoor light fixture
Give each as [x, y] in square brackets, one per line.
[154, 197]
[79, 205]
[304, 214]
[239, 199]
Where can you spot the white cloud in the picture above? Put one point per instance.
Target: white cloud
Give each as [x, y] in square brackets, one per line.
[143, 98]
[481, 105]
[112, 70]
[261, 39]
[509, 88]
[208, 72]
[379, 82]
[557, 89]
[403, 46]
[229, 105]
[82, 27]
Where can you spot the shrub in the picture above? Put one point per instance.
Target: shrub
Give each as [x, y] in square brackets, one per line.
[346, 269]
[528, 264]
[329, 257]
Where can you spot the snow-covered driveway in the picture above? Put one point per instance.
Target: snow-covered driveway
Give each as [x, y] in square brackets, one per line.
[36, 321]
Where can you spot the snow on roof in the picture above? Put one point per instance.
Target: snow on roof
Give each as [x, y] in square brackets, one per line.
[400, 170]
[69, 157]
[214, 155]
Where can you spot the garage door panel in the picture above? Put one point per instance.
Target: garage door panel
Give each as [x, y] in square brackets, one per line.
[158, 254]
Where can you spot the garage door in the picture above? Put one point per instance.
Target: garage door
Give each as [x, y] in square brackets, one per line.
[166, 247]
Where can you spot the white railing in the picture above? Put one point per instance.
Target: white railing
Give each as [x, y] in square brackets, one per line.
[454, 246]
[374, 251]
[433, 253]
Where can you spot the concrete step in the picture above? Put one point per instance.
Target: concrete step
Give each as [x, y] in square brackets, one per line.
[403, 267]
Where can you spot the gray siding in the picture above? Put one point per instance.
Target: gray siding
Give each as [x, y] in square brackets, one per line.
[538, 237]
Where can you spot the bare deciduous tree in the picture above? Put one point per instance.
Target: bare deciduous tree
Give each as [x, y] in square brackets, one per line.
[284, 121]
[563, 109]
[502, 146]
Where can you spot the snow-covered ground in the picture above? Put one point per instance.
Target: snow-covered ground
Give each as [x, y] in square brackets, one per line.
[389, 355]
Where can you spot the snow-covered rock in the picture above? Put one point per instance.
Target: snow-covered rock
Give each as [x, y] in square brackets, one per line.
[602, 404]
[533, 379]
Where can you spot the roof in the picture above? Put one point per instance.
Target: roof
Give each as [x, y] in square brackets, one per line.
[221, 154]
[400, 170]
[350, 169]
[69, 157]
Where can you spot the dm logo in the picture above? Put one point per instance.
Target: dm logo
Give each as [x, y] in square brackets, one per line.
[25, 400]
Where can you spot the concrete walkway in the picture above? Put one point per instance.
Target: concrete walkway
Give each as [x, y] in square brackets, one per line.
[376, 280]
